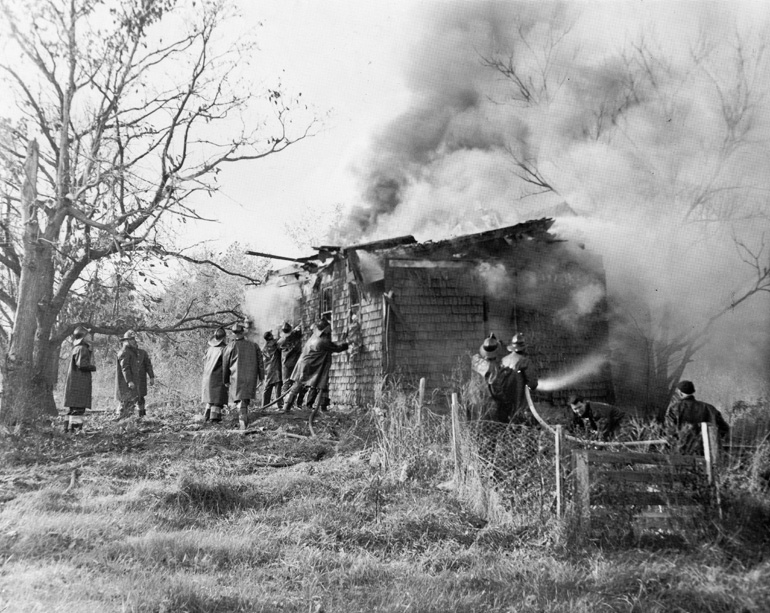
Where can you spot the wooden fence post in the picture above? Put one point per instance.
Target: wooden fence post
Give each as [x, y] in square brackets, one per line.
[456, 435]
[420, 400]
[582, 487]
[558, 444]
[711, 453]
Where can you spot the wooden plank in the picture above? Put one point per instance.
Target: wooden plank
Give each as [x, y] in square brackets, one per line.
[642, 499]
[631, 457]
[653, 476]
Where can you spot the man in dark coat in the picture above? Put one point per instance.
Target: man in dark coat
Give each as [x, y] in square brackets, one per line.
[684, 419]
[77, 390]
[526, 376]
[313, 367]
[290, 344]
[144, 372]
[585, 415]
[242, 371]
[496, 393]
[213, 389]
[127, 376]
[271, 354]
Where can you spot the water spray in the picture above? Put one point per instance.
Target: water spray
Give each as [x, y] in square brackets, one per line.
[590, 365]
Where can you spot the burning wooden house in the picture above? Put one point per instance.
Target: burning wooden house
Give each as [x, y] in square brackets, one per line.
[415, 310]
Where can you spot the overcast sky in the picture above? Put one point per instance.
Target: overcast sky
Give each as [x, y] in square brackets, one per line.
[347, 59]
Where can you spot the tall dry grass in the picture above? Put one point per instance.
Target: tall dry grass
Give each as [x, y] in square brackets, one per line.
[411, 440]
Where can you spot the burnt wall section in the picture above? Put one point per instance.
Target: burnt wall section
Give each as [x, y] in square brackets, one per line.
[558, 300]
[357, 372]
[436, 320]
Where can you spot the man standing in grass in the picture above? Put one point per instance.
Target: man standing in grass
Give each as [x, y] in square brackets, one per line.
[242, 371]
[271, 353]
[77, 391]
[684, 419]
[313, 367]
[526, 376]
[144, 372]
[214, 391]
[290, 344]
[127, 375]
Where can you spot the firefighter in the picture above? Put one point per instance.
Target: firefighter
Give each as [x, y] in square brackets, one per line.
[313, 368]
[214, 391]
[127, 375]
[684, 419]
[242, 371]
[526, 375]
[290, 344]
[271, 353]
[585, 414]
[497, 394]
[145, 374]
[77, 390]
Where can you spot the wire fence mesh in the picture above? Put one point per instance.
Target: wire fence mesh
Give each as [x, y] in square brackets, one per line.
[507, 472]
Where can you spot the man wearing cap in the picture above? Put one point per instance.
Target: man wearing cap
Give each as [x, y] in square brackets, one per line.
[127, 375]
[684, 419]
[585, 414]
[290, 344]
[271, 353]
[526, 375]
[144, 373]
[77, 390]
[313, 367]
[213, 390]
[242, 371]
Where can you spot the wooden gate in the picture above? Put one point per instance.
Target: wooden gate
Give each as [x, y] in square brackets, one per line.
[644, 490]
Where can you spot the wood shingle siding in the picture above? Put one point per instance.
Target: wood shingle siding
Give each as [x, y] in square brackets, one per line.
[427, 307]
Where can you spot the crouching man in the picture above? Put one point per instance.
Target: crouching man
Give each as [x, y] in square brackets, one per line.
[586, 414]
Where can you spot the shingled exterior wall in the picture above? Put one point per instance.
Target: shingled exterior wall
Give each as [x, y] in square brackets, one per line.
[438, 301]
[438, 317]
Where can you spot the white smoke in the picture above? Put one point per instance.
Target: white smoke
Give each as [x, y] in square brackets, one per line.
[268, 306]
[648, 120]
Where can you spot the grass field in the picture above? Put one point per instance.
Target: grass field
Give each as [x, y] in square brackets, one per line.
[151, 517]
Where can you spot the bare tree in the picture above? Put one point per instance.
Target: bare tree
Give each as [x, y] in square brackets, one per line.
[606, 101]
[136, 106]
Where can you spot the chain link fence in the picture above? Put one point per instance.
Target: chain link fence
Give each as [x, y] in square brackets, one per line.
[506, 472]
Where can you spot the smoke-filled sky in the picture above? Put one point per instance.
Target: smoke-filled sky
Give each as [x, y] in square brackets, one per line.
[650, 119]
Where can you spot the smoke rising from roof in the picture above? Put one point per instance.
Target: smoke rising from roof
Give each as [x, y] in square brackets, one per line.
[648, 121]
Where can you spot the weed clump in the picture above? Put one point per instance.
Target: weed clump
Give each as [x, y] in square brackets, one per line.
[194, 493]
[184, 598]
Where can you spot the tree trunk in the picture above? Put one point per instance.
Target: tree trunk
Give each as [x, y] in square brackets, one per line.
[26, 396]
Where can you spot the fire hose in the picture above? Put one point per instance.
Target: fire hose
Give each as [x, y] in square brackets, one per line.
[574, 439]
[310, 419]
